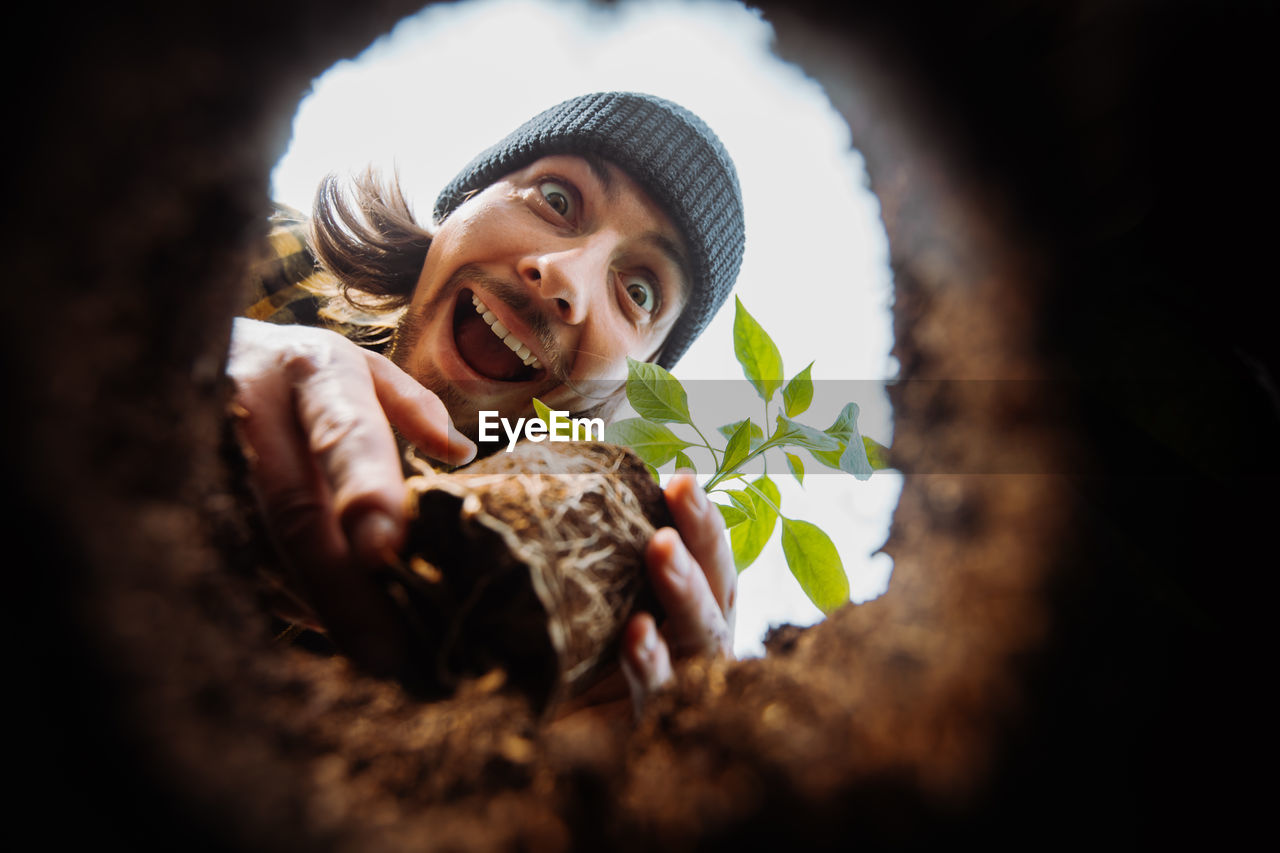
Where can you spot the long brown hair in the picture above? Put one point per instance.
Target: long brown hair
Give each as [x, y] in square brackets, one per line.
[374, 247]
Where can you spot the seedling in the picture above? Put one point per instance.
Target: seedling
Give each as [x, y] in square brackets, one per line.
[752, 507]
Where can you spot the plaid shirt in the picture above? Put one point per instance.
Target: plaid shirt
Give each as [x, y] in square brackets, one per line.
[286, 286]
[278, 284]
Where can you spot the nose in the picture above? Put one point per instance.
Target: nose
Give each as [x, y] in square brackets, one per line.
[567, 277]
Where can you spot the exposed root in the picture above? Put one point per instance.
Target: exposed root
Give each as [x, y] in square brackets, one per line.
[538, 557]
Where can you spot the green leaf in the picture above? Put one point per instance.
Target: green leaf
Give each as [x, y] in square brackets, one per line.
[846, 423]
[653, 443]
[799, 435]
[655, 394]
[757, 353]
[732, 516]
[542, 412]
[798, 394]
[749, 539]
[796, 464]
[845, 429]
[877, 453]
[813, 559]
[743, 500]
[738, 449]
[829, 458]
[854, 460]
[683, 461]
[653, 472]
[757, 434]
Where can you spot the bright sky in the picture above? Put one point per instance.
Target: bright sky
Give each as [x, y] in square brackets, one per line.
[456, 78]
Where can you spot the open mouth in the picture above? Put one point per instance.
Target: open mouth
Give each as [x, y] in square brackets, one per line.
[487, 346]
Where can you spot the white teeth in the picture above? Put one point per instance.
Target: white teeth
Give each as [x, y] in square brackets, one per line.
[514, 344]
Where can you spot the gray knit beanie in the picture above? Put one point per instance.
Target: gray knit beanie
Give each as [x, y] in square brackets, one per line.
[667, 150]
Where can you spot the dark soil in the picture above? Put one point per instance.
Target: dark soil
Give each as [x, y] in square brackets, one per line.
[1087, 417]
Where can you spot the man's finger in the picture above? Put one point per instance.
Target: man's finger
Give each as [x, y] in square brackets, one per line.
[349, 436]
[418, 413]
[695, 624]
[646, 660]
[318, 443]
[356, 613]
[701, 528]
[296, 504]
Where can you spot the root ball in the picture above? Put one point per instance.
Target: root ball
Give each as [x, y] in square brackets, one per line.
[528, 563]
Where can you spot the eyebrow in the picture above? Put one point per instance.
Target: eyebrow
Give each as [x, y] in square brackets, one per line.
[671, 249]
[600, 168]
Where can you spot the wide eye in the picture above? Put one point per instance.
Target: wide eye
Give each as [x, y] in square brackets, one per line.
[559, 196]
[642, 293]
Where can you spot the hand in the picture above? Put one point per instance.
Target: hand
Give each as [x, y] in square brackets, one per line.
[693, 574]
[315, 413]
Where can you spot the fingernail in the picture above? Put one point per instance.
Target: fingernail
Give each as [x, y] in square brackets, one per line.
[374, 534]
[463, 448]
[650, 642]
[697, 498]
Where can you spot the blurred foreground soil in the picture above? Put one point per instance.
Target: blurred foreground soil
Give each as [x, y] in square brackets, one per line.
[1087, 417]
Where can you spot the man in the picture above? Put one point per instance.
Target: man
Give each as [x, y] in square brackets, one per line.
[607, 227]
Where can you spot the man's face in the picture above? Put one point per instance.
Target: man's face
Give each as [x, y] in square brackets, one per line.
[571, 264]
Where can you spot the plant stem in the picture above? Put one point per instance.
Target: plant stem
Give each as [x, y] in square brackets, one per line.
[761, 495]
[721, 476]
[715, 459]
